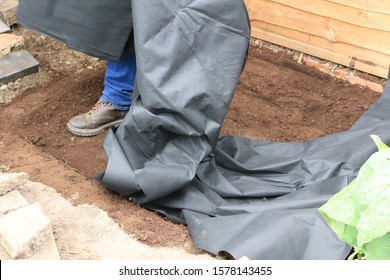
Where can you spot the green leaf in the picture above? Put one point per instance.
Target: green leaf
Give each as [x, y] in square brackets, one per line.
[378, 249]
[381, 146]
[342, 216]
[375, 221]
[360, 213]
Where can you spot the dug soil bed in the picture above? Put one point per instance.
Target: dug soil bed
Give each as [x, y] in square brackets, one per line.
[276, 99]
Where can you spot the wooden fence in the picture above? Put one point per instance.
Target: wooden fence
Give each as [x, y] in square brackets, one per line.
[354, 33]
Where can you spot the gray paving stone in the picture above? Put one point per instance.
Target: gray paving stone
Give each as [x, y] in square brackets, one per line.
[17, 65]
[3, 27]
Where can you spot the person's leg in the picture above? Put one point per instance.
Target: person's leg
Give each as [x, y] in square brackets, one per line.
[119, 82]
[114, 102]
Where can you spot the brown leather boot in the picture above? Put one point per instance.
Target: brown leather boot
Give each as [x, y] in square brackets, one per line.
[102, 116]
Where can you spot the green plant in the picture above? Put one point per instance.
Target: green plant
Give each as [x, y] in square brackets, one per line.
[360, 213]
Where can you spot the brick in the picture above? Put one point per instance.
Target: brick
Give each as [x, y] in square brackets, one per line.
[339, 74]
[11, 201]
[317, 65]
[8, 11]
[17, 65]
[10, 181]
[342, 75]
[373, 86]
[24, 230]
[10, 43]
[3, 27]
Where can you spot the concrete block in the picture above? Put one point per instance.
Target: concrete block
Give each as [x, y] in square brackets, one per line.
[46, 251]
[10, 181]
[24, 230]
[17, 65]
[3, 27]
[11, 201]
[3, 254]
[8, 11]
[10, 43]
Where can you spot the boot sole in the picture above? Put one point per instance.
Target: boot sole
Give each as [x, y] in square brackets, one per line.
[91, 131]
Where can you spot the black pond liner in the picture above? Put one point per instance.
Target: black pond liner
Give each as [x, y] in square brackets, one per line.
[251, 198]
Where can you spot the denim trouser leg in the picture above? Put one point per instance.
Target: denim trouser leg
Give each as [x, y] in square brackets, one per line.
[119, 81]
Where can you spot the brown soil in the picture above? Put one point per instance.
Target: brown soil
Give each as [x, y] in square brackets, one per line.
[276, 99]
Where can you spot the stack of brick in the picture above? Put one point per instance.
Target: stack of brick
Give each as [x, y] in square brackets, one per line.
[25, 230]
[15, 61]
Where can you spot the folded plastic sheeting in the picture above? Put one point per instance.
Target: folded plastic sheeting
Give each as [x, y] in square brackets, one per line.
[251, 198]
[98, 28]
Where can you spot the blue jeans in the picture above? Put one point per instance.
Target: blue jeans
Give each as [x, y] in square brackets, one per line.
[119, 81]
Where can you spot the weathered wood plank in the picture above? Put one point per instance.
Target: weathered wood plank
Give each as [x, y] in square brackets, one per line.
[333, 30]
[357, 35]
[341, 12]
[377, 6]
[351, 56]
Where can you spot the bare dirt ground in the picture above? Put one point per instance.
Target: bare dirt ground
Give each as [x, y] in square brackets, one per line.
[276, 99]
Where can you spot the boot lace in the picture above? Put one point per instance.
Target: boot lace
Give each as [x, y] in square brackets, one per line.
[97, 106]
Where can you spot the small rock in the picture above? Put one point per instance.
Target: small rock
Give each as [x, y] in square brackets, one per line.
[75, 196]
[3, 167]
